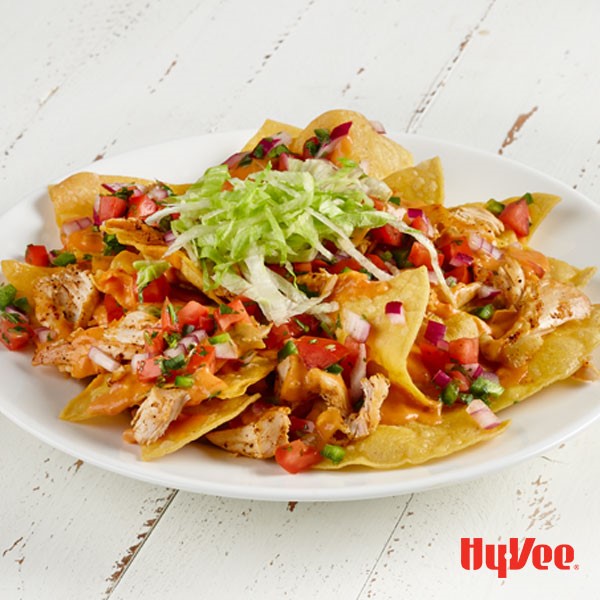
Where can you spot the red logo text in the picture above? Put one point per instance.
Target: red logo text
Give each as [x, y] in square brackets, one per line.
[512, 556]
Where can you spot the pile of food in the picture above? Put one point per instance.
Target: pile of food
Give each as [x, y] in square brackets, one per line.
[309, 299]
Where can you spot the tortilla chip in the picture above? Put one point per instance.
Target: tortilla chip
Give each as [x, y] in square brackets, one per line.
[419, 185]
[189, 427]
[23, 276]
[103, 398]
[566, 273]
[380, 154]
[390, 447]
[538, 210]
[74, 197]
[389, 344]
[268, 129]
[563, 352]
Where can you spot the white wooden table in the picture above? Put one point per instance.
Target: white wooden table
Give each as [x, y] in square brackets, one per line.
[85, 80]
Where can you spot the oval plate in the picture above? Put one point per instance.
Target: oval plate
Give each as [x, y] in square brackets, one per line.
[33, 397]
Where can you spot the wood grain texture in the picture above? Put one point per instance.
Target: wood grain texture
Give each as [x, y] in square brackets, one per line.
[87, 80]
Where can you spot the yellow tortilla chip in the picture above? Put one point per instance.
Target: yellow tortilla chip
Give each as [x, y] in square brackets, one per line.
[563, 352]
[23, 276]
[268, 129]
[380, 154]
[566, 273]
[390, 447]
[188, 428]
[74, 197]
[104, 397]
[389, 344]
[418, 185]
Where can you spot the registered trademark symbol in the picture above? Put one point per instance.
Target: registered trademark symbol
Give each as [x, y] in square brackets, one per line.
[576, 567]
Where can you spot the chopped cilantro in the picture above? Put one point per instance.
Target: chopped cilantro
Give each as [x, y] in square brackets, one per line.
[449, 394]
[484, 312]
[335, 369]
[288, 349]
[494, 206]
[111, 245]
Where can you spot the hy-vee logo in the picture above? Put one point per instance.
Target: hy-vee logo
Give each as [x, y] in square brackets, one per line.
[512, 557]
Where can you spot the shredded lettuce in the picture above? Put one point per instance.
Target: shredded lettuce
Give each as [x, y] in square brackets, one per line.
[235, 228]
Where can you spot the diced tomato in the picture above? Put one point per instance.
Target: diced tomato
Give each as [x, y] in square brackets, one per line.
[157, 290]
[464, 350]
[300, 427]
[419, 256]
[314, 141]
[114, 310]
[302, 267]
[111, 207]
[297, 456]
[388, 235]
[292, 328]
[319, 352]
[194, 314]
[421, 224]
[461, 379]
[343, 264]
[318, 264]
[203, 356]
[14, 335]
[155, 343]
[433, 358]
[454, 247]
[238, 314]
[378, 262]
[168, 318]
[252, 308]
[347, 362]
[37, 255]
[141, 207]
[462, 274]
[149, 370]
[516, 216]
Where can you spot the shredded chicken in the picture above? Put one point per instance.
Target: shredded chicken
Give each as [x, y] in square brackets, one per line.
[331, 388]
[160, 408]
[259, 439]
[361, 424]
[65, 300]
[479, 219]
[120, 340]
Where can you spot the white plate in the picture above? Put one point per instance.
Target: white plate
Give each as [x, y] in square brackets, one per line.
[33, 397]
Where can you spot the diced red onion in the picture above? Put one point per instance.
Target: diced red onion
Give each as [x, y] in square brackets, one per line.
[173, 352]
[227, 350]
[199, 335]
[474, 370]
[137, 190]
[78, 224]
[490, 376]
[413, 213]
[157, 193]
[477, 242]
[358, 372]
[355, 326]
[188, 342]
[340, 130]
[377, 126]
[235, 159]
[442, 379]
[103, 360]
[487, 292]
[283, 367]
[113, 188]
[337, 133]
[460, 259]
[44, 334]
[137, 360]
[433, 278]
[395, 312]
[276, 140]
[435, 332]
[97, 220]
[169, 237]
[443, 345]
[14, 311]
[483, 414]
